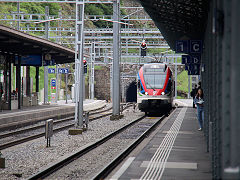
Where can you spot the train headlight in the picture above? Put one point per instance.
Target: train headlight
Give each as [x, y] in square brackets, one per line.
[146, 93]
[163, 93]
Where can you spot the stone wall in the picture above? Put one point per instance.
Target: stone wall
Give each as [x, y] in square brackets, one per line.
[102, 81]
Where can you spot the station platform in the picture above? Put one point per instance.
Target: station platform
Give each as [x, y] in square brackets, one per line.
[175, 151]
[26, 115]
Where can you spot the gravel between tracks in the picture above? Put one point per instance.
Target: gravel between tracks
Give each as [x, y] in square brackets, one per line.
[88, 165]
[26, 159]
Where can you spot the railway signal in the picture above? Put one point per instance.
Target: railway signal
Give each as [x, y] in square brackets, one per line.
[85, 66]
[143, 49]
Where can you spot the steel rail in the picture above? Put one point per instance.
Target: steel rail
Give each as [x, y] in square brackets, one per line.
[53, 168]
[29, 138]
[43, 125]
[114, 163]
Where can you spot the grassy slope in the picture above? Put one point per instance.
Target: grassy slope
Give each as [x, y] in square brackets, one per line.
[182, 82]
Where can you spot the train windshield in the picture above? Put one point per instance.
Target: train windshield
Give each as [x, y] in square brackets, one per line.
[154, 80]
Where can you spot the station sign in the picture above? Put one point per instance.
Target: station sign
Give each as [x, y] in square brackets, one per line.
[186, 59]
[182, 46]
[195, 46]
[51, 71]
[191, 59]
[189, 46]
[63, 70]
[193, 49]
[193, 69]
[29, 60]
[53, 83]
[195, 72]
[195, 59]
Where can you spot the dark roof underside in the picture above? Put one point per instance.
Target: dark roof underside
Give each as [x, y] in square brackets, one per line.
[19, 43]
[178, 19]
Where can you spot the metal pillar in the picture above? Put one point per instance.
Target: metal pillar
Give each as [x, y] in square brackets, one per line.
[9, 81]
[18, 17]
[218, 65]
[116, 54]
[37, 79]
[45, 67]
[79, 63]
[84, 86]
[66, 84]
[5, 74]
[111, 83]
[92, 71]
[28, 93]
[57, 83]
[18, 81]
[212, 104]
[45, 85]
[226, 83]
[175, 78]
[189, 79]
[234, 88]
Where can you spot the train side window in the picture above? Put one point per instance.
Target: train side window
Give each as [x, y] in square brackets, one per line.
[169, 86]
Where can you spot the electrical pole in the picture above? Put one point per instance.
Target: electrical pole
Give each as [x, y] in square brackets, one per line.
[18, 17]
[92, 70]
[79, 63]
[46, 67]
[66, 84]
[116, 54]
[57, 86]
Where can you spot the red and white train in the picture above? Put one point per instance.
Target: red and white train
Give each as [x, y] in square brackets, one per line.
[155, 88]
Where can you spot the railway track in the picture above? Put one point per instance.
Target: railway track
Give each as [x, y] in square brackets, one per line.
[7, 134]
[19, 136]
[135, 131]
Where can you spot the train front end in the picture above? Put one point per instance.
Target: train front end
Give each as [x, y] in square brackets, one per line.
[155, 88]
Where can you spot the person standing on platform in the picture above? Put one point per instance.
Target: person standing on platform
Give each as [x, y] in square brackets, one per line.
[193, 94]
[200, 108]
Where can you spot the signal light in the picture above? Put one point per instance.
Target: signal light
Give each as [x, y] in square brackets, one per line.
[144, 45]
[85, 66]
[143, 49]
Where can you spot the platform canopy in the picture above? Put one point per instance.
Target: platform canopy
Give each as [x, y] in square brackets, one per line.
[18, 43]
[178, 19]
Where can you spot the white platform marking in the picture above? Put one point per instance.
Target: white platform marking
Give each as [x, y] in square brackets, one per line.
[174, 165]
[122, 169]
[180, 132]
[157, 164]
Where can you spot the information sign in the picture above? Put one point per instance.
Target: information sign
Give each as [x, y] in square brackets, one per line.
[53, 83]
[195, 72]
[30, 60]
[182, 46]
[195, 46]
[63, 70]
[51, 70]
[186, 59]
[195, 59]
[193, 69]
